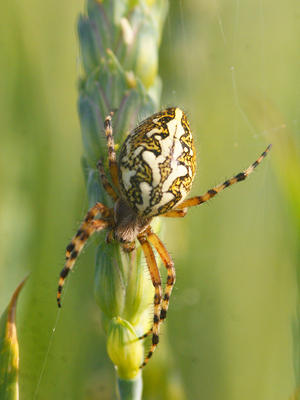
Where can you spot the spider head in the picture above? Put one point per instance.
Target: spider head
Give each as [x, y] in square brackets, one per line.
[128, 224]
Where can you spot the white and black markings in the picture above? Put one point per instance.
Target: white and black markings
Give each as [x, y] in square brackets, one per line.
[157, 163]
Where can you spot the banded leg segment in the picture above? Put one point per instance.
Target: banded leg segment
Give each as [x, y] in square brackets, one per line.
[195, 201]
[156, 281]
[175, 213]
[87, 228]
[113, 166]
[171, 277]
[171, 274]
[105, 182]
[98, 208]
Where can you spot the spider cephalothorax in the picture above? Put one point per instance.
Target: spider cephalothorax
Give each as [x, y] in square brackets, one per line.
[154, 173]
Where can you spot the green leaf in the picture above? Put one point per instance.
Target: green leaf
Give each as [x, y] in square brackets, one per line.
[9, 350]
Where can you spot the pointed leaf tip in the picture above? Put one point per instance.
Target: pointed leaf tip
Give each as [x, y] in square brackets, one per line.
[9, 349]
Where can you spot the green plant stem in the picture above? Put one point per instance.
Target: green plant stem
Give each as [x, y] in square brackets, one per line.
[131, 389]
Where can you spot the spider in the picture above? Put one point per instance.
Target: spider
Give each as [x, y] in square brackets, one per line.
[153, 175]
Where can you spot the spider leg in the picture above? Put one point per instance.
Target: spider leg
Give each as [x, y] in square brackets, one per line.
[87, 228]
[169, 264]
[145, 335]
[109, 236]
[113, 166]
[128, 247]
[156, 281]
[194, 201]
[96, 209]
[175, 213]
[105, 182]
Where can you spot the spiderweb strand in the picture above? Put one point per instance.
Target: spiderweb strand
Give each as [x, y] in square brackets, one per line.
[47, 354]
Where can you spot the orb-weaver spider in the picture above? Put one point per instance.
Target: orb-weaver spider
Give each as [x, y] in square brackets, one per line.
[154, 173]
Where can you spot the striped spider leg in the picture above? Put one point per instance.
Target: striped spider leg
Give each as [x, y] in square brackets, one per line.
[160, 303]
[197, 200]
[156, 281]
[91, 225]
[112, 159]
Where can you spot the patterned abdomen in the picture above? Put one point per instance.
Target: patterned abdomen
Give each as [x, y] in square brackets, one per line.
[157, 163]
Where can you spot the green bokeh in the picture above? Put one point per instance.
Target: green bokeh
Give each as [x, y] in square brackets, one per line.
[232, 326]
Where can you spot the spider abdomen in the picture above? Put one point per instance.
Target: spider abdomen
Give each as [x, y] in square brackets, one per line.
[157, 163]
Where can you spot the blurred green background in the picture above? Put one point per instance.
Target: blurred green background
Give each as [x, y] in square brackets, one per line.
[233, 328]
